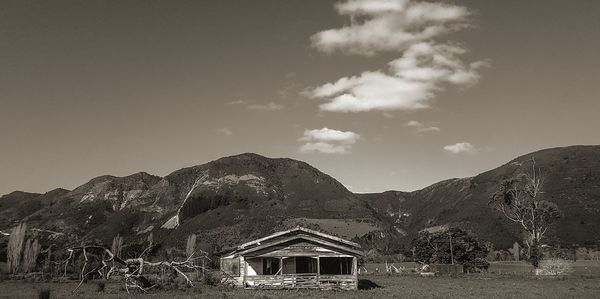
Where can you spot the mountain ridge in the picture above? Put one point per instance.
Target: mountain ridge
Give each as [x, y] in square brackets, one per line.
[236, 198]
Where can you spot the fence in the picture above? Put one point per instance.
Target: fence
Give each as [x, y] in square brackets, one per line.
[301, 281]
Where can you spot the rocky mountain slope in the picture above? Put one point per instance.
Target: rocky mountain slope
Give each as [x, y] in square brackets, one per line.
[229, 200]
[238, 198]
[572, 181]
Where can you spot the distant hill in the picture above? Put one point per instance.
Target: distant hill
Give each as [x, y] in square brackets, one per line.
[237, 198]
[572, 181]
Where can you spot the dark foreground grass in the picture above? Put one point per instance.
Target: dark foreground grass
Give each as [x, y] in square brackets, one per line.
[379, 286]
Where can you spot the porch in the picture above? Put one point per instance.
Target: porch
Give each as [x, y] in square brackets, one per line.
[301, 281]
[301, 272]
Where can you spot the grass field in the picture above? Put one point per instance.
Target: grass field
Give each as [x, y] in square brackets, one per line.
[580, 268]
[383, 286]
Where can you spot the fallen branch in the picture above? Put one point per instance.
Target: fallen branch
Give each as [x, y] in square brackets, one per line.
[132, 269]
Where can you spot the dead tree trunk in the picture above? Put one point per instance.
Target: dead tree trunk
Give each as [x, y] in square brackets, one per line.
[132, 269]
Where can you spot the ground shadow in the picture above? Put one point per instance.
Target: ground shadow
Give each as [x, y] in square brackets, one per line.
[365, 284]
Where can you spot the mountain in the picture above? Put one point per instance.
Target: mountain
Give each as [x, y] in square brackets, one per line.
[571, 180]
[238, 198]
[228, 200]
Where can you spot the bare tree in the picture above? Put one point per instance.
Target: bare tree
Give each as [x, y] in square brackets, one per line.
[519, 199]
[132, 270]
[15, 247]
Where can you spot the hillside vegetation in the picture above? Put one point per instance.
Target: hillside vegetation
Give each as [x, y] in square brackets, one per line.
[238, 198]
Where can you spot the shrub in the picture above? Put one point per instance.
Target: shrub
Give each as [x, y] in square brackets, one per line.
[181, 283]
[199, 288]
[30, 255]
[190, 245]
[448, 246]
[476, 265]
[555, 266]
[100, 286]
[44, 294]
[212, 278]
[15, 247]
[117, 245]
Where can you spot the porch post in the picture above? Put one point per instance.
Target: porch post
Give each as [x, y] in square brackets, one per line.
[318, 270]
[355, 271]
[243, 270]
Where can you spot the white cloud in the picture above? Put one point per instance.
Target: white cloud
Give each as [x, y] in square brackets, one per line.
[461, 147]
[421, 127]
[411, 81]
[414, 124]
[330, 135]
[224, 131]
[272, 106]
[389, 25]
[328, 141]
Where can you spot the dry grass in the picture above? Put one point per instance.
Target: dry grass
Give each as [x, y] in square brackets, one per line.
[580, 268]
[406, 286]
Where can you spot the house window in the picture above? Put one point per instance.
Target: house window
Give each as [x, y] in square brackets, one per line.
[231, 266]
[335, 265]
[271, 266]
[306, 264]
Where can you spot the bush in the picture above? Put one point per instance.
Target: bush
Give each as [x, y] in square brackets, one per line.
[180, 282]
[15, 245]
[476, 265]
[44, 294]
[100, 286]
[434, 248]
[555, 266]
[212, 278]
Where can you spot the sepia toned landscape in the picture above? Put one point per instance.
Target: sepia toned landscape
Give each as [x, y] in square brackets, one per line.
[292, 149]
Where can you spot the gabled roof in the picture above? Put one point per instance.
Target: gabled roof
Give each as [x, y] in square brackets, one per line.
[294, 234]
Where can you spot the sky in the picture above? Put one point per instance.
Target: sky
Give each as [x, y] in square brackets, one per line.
[380, 94]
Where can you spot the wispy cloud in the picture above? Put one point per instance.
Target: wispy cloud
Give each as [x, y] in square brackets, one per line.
[421, 128]
[224, 131]
[328, 141]
[237, 102]
[461, 147]
[271, 106]
[409, 82]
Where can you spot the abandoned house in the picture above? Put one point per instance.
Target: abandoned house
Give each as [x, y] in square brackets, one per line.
[296, 258]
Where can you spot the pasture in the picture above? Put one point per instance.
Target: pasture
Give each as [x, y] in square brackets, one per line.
[514, 282]
[580, 268]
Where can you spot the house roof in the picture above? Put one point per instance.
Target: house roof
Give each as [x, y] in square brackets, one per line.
[294, 234]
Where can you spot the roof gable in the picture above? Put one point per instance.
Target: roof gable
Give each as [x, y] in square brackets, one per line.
[296, 234]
